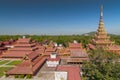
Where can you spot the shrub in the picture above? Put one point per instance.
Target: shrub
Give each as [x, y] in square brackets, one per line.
[28, 76]
[21, 76]
[16, 76]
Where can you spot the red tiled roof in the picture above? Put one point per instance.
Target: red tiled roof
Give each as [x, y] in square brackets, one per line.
[114, 47]
[15, 54]
[91, 46]
[54, 59]
[32, 55]
[77, 59]
[1, 43]
[73, 71]
[0, 51]
[23, 40]
[3, 48]
[40, 51]
[102, 41]
[23, 68]
[50, 49]
[23, 48]
[78, 53]
[25, 63]
[6, 42]
[39, 64]
[28, 67]
[20, 70]
[47, 53]
[75, 45]
[26, 45]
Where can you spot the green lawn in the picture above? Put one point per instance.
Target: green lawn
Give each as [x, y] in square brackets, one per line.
[3, 62]
[2, 69]
[14, 62]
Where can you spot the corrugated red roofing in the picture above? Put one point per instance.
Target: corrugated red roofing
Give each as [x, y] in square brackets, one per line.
[73, 71]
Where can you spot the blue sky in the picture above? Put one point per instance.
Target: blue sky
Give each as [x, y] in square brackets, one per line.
[56, 17]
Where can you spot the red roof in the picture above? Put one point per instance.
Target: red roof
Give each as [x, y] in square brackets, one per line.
[23, 68]
[114, 47]
[102, 41]
[75, 45]
[78, 53]
[20, 70]
[91, 46]
[47, 53]
[73, 71]
[32, 55]
[28, 67]
[15, 54]
[18, 44]
[50, 49]
[54, 59]
[23, 40]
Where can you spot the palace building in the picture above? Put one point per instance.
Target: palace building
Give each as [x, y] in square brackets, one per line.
[77, 53]
[20, 48]
[101, 38]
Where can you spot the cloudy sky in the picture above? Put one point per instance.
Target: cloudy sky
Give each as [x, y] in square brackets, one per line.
[56, 17]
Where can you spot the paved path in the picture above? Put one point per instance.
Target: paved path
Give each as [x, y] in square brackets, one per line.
[1, 60]
[5, 65]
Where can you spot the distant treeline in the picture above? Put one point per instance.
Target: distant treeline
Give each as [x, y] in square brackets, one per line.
[60, 39]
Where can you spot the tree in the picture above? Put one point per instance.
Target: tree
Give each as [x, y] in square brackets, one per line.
[102, 66]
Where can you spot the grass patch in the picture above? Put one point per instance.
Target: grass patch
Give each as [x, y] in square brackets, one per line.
[14, 62]
[2, 69]
[3, 62]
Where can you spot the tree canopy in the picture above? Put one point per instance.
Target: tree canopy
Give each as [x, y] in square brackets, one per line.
[102, 66]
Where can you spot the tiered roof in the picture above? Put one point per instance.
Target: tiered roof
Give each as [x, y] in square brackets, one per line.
[75, 45]
[22, 47]
[4, 45]
[49, 50]
[101, 38]
[28, 66]
[77, 53]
